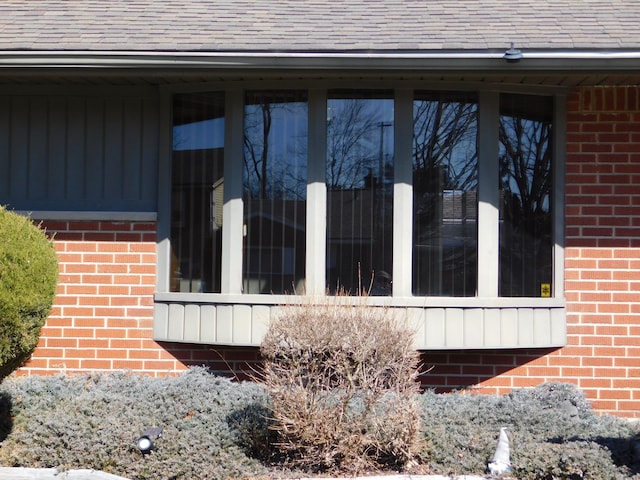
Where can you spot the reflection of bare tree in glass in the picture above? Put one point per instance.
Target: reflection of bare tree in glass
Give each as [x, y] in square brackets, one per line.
[445, 168]
[525, 174]
[274, 176]
[440, 129]
[256, 149]
[348, 126]
[273, 154]
[525, 165]
[359, 178]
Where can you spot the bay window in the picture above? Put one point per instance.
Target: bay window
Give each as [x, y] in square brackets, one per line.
[321, 205]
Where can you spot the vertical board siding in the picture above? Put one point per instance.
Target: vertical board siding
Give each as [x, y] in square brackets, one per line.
[435, 328]
[79, 152]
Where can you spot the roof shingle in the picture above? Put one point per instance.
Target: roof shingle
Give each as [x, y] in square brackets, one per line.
[317, 25]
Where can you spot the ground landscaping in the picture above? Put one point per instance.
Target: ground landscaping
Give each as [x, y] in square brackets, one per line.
[215, 428]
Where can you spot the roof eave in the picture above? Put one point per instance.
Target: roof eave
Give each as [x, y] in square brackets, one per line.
[623, 60]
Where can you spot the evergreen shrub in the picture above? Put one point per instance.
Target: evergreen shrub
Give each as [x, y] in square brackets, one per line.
[342, 381]
[28, 279]
[212, 426]
[554, 435]
[93, 421]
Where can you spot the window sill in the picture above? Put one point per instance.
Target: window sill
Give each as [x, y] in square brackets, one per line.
[419, 302]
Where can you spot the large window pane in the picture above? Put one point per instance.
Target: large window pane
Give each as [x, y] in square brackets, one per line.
[275, 182]
[359, 191]
[197, 192]
[445, 180]
[525, 187]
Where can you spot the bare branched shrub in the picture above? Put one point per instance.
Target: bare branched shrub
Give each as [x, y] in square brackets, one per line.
[342, 380]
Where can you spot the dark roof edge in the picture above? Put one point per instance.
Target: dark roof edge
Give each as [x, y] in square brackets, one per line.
[532, 60]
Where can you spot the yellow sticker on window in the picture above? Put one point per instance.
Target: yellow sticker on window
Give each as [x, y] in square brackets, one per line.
[545, 289]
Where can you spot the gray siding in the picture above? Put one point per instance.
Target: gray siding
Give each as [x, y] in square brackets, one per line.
[80, 151]
[439, 328]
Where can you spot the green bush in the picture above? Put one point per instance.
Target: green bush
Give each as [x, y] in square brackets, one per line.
[554, 435]
[93, 421]
[342, 380]
[212, 427]
[28, 278]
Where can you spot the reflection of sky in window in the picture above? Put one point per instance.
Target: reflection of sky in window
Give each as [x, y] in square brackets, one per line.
[202, 135]
[359, 140]
[286, 161]
[288, 132]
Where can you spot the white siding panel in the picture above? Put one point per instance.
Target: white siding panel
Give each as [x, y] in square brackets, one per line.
[492, 333]
[473, 325]
[260, 323]
[525, 327]
[175, 330]
[434, 328]
[241, 325]
[416, 322]
[454, 327]
[541, 327]
[160, 321]
[509, 326]
[435, 331]
[208, 323]
[192, 323]
[558, 327]
[224, 324]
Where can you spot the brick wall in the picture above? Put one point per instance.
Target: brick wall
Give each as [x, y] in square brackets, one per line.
[602, 269]
[603, 245]
[102, 317]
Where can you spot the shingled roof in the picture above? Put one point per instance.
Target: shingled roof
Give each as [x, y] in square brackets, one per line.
[317, 25]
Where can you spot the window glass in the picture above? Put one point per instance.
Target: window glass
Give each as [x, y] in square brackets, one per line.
[274, 182]
[445, 182]
[359, 191]
[525, 191]
[197, 192]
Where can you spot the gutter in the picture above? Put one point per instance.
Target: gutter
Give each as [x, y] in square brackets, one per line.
[534, 60]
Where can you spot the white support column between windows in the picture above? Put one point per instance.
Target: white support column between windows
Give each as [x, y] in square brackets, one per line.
[488, 195]
[557, 192]
[232, 210]
[316, 228]
[403, 194]
[165, 149]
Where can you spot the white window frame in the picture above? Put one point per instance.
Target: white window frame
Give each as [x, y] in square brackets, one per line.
[455, 310]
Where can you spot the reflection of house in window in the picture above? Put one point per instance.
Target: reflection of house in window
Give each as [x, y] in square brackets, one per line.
[196, 226]
[274, 250]
[359, 234]
[446, 250]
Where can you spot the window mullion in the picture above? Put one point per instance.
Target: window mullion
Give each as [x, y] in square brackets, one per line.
[488, 195]
[316, 194]
[164, 194]
[403, 194]
[232, 209]
[557, 192]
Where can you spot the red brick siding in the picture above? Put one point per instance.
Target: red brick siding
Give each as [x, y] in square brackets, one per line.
[102, 318]
[103, 313]
[602, 266]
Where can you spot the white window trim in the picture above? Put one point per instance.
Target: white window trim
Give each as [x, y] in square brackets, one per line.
[231, 297]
